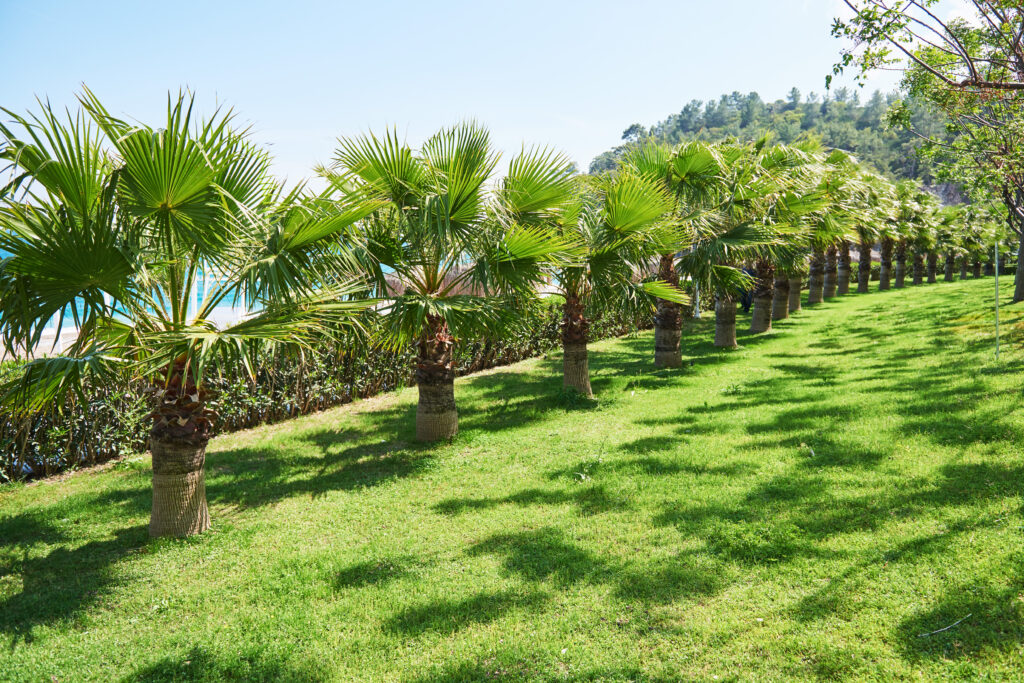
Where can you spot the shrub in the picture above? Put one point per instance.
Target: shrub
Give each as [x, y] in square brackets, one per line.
[114, 418]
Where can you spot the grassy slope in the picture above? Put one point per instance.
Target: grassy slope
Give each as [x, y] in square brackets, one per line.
[804, 507]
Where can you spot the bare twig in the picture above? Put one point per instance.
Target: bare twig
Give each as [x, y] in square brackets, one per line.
[955, 623]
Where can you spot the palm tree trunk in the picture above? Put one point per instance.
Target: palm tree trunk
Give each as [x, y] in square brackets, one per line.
[780, 297]
[963, 267]
[918, 267]
[933, 266]
[864, 267]
[885, 269]
[764, 286]
[816, 281]
[950, 266]
[181, 430]
[831, 272]
[795, 285]
[668, 320]
[179, 488]
[436, 416]
[843, 286]
[901, 264]
[575, 364]
[976, 267]
[725, 322]
[989, 268]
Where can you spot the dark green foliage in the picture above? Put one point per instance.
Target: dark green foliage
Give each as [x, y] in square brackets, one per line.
[841, 120]
[113, 419]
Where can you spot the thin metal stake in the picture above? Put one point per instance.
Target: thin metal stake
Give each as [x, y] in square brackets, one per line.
[997, 297]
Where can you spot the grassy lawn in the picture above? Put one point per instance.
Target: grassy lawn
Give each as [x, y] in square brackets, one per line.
[806, 507]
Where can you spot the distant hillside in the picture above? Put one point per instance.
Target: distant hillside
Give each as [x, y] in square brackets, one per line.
[840, 120]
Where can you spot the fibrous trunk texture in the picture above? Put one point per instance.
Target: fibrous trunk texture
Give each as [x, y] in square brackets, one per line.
[179, 489]
[885, 269]
[933, 266]
[668, 320]
[976, 267]
[816, 279]
[181, 430]
[831, 272]
[901, 264]
[918, 267]
[947, 275]
[844, 269]
[864, 267]
[963, 267]
[795, 285]
[780, 297]
[575, 326]
[436, 416]
[764, 286]
[725, 322]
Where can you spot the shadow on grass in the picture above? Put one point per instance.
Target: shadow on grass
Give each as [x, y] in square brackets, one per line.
[62, 583]
[199, 665]
[451, 615]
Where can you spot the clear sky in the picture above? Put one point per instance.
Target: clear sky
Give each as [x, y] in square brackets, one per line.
[303, 72]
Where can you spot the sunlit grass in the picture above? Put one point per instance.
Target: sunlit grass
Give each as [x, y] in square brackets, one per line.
[812, 505]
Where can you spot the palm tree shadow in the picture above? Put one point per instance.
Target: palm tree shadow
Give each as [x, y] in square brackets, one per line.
[200, 664]
[49, 593]
[342, 459]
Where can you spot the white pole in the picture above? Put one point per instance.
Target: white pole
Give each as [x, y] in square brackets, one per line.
[696, 300]
[996, 250]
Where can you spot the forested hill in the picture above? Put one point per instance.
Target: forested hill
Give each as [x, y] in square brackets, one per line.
[840, 119]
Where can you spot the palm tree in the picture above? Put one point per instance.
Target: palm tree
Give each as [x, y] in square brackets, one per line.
[795, 285]
[885, 268]
[879, 207]
[619, 229]
[908, 212]
[464, 263]
[762, 197]
[787, 193]
[692, 173]
[114, 228]
[844, 267]
[949, 235]
[842, 190]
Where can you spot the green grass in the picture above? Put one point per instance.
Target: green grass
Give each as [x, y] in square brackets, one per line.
[805, 507]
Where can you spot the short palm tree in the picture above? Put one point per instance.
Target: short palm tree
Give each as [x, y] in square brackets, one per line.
[753, 191]
[840, 188]
[692, 174]
[619, 229]
[464, 258]
[115, 227]
[879, 207]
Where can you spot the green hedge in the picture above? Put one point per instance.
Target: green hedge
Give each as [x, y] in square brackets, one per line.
[114, 417]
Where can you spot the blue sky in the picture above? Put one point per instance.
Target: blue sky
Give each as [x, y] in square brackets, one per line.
[568, 74]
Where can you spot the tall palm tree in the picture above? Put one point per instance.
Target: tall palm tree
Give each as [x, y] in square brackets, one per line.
[117, 228]
[464, 263]
[692, 174]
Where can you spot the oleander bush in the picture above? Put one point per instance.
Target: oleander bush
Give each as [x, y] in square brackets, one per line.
[112, 419]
